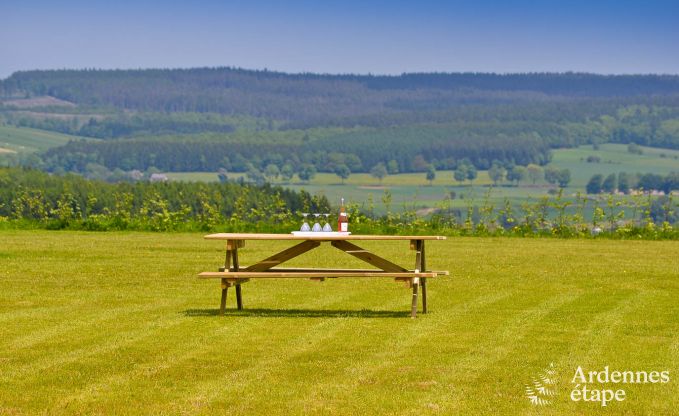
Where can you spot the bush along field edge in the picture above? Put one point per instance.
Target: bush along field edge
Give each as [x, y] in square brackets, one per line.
[32, 199]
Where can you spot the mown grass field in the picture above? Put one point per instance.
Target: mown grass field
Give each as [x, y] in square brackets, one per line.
[116, 323]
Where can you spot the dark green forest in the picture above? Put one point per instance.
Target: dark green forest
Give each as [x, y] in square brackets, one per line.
[306, 96]
[325, 154]
[211, 118]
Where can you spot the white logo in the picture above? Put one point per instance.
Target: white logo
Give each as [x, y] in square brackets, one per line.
[601, 386]
[543, 387]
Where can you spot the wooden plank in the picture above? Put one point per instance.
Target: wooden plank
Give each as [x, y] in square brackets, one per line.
[418, 256]
[423, 284]
[230, 281]
[227, 261]
[320, 237]
[235, 244]
[368, 257]
[413, 308]
[322, 270]
[423, 281]
[239, 298]
[222, 303]
[283, 256]
[236, 267]
[234, 259]
[270, 274]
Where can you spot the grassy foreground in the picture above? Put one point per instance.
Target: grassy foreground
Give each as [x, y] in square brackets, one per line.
[116, 323]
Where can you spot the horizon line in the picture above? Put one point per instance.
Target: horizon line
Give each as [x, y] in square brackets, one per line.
[340, 74]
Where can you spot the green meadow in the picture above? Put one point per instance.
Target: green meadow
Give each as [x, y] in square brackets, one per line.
[117, 323]
[614, 159]
[413, 190]
[24, 139]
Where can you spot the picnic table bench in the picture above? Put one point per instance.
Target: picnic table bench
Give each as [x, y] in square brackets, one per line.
[232, 274]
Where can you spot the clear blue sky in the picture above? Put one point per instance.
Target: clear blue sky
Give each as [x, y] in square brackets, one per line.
[379, 37]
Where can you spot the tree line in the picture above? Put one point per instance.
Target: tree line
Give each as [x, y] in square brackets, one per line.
[626, 183]
[30, 199]
[355, 151]
[126, 125]
[57, 200]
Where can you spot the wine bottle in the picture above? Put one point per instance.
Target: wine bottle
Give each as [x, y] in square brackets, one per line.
[342, 220]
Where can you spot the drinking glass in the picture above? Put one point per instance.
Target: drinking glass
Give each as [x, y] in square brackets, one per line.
[327, 227]
[305, 226]
[317, 227]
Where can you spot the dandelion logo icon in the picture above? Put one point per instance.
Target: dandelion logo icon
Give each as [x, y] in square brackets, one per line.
[543, 387]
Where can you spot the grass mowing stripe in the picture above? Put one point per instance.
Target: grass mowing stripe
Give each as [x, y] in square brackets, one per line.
[496, 345]
[112, 342]
[71, 324]
[33, 311]
[237, 381]
[394, 346]
[179, 353]
[231, 385]
[602, 339]
[601, 328]
[53, 376]
[207, 348]
[248, 392]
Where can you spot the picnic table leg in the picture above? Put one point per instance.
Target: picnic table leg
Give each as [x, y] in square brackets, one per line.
[225, 284]
[222, 304]
[239, 297]
[236, 267]
[420, 266]
[423, 282]
[413, 311]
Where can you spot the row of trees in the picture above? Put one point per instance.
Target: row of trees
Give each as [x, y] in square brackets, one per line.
[500, 172]
[626, 182]
[465, 171]
[34, 199]
[34, 195]
[399, 153]
[125, 125]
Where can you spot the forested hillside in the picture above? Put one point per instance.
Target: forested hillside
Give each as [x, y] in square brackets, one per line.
[304, 97]
[246, 120]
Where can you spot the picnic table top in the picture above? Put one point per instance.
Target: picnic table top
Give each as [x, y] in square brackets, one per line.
[319, 237]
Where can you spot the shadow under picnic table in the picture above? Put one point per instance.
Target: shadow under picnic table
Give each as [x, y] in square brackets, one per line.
[298, 313]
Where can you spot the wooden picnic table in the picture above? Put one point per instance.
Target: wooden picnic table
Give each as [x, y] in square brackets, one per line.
[232, 274]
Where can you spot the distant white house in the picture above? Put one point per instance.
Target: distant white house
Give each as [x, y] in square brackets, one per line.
[158, 177]
[136, 175]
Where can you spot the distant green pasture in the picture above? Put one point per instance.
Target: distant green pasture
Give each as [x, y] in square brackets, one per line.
[24, 139]
[614, 159]
[414, 190]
